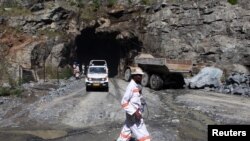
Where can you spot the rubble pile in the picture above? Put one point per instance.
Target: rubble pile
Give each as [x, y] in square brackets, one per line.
[209, 78]
[236, 83]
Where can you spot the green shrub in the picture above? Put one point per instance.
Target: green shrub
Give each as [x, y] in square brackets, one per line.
[16, 91]
[97, 4]
[233, 2]
[147, 2]
[88, 13]
[50, 33]
[51, 72]
[78, 3]
[129, 2]
[65, 73]
[58, 73]
[4, 91]
[10, 91]
[14, 11]
[111, 3]
[10, 4]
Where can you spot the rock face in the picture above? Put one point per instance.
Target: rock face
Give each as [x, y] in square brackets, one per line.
[23, 3]
[50, 19]
[213, 32]
[34, 41]
[204, 31]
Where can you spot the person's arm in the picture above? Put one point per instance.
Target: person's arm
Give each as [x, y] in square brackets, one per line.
[136, 102]
[130, 101]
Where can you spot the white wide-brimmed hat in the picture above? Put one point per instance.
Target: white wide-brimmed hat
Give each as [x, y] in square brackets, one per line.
[137, 70]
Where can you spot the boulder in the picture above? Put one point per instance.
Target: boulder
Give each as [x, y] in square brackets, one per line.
[207, 77]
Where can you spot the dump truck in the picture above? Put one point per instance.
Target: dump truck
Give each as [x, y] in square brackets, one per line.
[159, 72]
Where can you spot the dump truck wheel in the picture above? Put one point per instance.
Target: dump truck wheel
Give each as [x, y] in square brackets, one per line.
[127, 74]
[145, 79]
[156, 82]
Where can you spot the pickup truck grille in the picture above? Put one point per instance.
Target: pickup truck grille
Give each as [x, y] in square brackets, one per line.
[97, 79]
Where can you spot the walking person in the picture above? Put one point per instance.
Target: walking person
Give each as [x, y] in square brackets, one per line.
[132, 104]
[76, 70]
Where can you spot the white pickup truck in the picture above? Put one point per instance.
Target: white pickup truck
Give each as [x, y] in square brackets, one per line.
[97, 75]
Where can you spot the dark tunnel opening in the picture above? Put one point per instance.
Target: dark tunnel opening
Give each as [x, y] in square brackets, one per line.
[103, 46]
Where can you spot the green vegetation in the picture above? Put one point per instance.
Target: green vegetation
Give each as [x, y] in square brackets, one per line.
[14, 11]
[233, 2]
[78, 3]
[111, 3]
[51, 33]
[129, 2]
[147, 2]
[65, 73]
[97, 4]
[87, 13]
[58, 73]
[10, 91]
[51, 72]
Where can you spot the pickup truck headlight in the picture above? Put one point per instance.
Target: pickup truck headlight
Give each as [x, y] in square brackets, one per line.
[104, 79]
[89, 79]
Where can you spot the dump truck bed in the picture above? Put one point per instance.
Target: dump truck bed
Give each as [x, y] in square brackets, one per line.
[179, 65]
[165, 65]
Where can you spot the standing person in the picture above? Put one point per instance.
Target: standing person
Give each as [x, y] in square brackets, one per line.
[76, 70]
[132, 104]
[83, 68]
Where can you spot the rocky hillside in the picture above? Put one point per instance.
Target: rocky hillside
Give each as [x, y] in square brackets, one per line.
[203, 31]
[41, 35]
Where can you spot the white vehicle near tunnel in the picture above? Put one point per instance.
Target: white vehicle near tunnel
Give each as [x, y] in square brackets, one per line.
[97, 75]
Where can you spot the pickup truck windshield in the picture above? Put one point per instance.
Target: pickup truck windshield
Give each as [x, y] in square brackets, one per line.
[97, 70]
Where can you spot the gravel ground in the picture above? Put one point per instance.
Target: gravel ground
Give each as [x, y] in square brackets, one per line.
[65, 111]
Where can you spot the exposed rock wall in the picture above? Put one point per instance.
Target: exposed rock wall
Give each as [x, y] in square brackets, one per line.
[36, 40]
[24, 3]
[204, 31]
[210, 32]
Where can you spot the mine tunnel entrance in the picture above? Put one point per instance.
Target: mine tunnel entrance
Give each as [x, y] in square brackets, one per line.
[104, 45]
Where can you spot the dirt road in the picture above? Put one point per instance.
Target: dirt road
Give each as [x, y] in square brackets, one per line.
[70, 113]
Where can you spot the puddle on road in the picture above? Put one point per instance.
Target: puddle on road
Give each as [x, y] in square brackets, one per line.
[44, 134]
